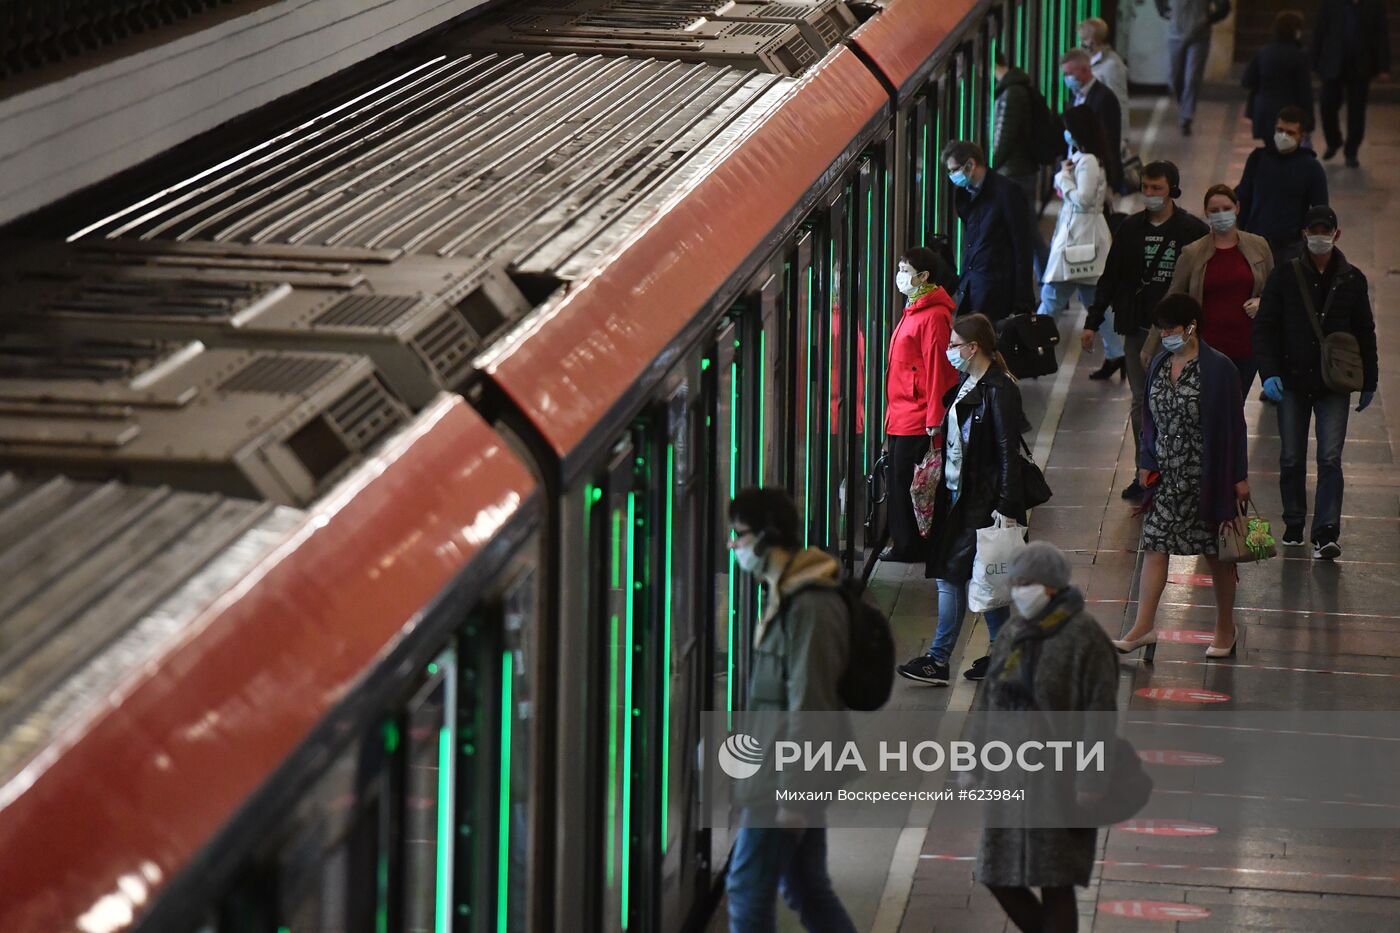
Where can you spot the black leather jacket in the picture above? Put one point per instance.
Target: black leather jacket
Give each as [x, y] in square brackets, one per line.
[990, 477]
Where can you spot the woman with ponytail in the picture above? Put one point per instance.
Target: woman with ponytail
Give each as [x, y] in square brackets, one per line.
[981, 481]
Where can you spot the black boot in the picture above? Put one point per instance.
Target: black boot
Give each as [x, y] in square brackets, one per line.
[1108, 368]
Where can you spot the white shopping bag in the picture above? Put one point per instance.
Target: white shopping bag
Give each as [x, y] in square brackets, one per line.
[997, 544]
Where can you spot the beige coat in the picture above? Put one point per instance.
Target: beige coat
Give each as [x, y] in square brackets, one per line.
[1190, 275]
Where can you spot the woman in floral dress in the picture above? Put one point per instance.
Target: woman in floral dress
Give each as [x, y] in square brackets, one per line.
[1195, 463]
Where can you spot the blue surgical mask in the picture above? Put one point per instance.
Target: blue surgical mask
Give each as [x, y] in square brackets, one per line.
[960, 362]
[1069, 138]
[960, 178]
[1175, 343]
[1221, 221]
[1154, 202]
[1319, 244]
[1073, 84]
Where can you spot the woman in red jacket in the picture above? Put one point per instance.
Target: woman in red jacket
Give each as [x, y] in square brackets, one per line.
[919, 376]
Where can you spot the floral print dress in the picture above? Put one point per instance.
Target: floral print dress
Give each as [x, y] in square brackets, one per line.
[1173, 524]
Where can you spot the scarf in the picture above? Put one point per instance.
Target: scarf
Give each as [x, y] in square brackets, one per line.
[927, 288]
[1014, 678]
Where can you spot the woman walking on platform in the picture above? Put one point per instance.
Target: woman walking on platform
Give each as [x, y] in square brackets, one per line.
[1225, 271]
[1195, 467]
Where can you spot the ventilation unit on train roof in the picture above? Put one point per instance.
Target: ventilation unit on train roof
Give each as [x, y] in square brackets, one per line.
[779, 46]
[266, 425]
[101, 577]
[421, 319]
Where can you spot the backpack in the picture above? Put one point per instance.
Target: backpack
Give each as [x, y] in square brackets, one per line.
[868, 679]
[1047, 132]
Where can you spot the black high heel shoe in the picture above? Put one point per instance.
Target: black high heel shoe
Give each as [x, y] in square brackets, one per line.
[1109, 367]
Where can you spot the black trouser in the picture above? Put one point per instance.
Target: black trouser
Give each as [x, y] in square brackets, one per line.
[1356, 91]
[905, 453]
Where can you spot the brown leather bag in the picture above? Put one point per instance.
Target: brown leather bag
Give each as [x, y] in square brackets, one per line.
[1342, 369]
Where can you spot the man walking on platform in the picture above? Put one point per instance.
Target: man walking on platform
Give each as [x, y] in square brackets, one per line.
[996, 242]
[1188, 46]
[1141, 263]
[1281, 181]
[1013, 147]
[1079, 77]
[1319, 293]
[1350, 48]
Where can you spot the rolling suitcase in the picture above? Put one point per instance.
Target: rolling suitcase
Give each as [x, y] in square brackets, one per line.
[1027, 342]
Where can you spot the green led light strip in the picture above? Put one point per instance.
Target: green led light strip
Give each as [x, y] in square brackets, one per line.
[869, 307]
[832, 311]
[629, 713]
[612, 750]
[992, 99]
[733, 488]
[443, 918]
[928, 180]
[1020, 47]
[807, 437]
[762, 399]
[503, 832]
[885, 265]
[666, 643]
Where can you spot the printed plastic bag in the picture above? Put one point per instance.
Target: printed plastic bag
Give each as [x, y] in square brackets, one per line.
[997, 544]
[928, 473]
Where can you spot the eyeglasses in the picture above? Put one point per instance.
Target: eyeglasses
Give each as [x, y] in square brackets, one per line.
[955, 346]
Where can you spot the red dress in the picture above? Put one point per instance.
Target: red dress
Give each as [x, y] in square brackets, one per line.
[1229, 283]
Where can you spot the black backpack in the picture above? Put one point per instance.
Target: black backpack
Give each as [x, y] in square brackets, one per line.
[869, 677]
[1047, 132]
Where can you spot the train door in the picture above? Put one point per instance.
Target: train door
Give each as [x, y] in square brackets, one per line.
[874, 265]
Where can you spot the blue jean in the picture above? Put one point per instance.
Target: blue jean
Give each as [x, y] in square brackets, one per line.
[791, 861]
[952, 606]
[1188, 66]
[1295, 410]
[1054, 298]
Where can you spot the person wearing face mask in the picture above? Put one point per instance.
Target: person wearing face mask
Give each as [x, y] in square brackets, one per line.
[996, 236]
[1139, 271]
[981, 479]
[1195, 464]
[1079, 249]
[919, 375]
[1281, 181]
[1052, 656]
[1226, 271]
[800, 648]
[1106, 64]
[1289, 355]
[1278, 76]
[1078, 74]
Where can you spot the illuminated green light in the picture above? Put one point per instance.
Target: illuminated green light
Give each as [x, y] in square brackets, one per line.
[826, 400]
[612, 748]
[597, 494]
[992, 92]
[503, 830]
[762, 399]
[733, 488]
[392, 736]
[928, 180]
[433, 668]
[627, 705]
[617, 550]
[442, 921]
[666, 643]
[381, 884]
[704, 364]
[869, 308]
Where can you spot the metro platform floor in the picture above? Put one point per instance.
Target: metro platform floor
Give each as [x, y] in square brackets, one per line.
[1314, 635]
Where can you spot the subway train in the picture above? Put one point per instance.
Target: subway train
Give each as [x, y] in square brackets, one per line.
[363, 486]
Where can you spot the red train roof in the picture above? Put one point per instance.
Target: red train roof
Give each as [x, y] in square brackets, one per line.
[95, 825]
[578, 356]
[902, 38]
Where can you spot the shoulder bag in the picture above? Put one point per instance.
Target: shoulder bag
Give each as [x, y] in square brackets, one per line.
[1342, 370]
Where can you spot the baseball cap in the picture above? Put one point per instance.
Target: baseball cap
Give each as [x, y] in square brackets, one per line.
[1320, 215]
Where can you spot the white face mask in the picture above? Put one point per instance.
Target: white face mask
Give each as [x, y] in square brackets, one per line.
[748, 561]
[1221, 221]
[904, 282]
[1285, 143]
[1029, 599]
[960, 362]
[1319, 244]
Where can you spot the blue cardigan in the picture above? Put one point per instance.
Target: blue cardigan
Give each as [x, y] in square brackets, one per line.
[1225, 442]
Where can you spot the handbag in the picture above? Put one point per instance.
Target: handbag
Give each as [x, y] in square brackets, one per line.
[923, 491]
[997, 545]
[1342, 369]
[1034, 489]
[1245, 539]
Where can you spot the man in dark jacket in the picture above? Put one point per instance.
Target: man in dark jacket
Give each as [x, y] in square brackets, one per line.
[1290, 361]
[1013, 146]
[996, 247]
[800, 651]
[1077, 69]
[1350, 48]
[1138, 273]
[1281, 181]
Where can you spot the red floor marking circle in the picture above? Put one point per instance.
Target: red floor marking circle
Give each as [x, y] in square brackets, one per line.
[1182, 695]
[1155, 910]
[1167, 828]
[1176, 759]
[1186, 636]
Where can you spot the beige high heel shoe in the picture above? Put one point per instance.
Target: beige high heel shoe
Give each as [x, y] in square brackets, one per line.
[1148, 641]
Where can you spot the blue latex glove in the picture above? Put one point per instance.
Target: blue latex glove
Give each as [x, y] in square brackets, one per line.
[1273, 388]
[1365, 400]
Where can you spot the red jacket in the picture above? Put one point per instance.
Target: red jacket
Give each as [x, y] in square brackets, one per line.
[919, 371]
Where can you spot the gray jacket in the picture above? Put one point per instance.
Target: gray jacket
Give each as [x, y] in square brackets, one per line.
[1187, 20]
[800, 652]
